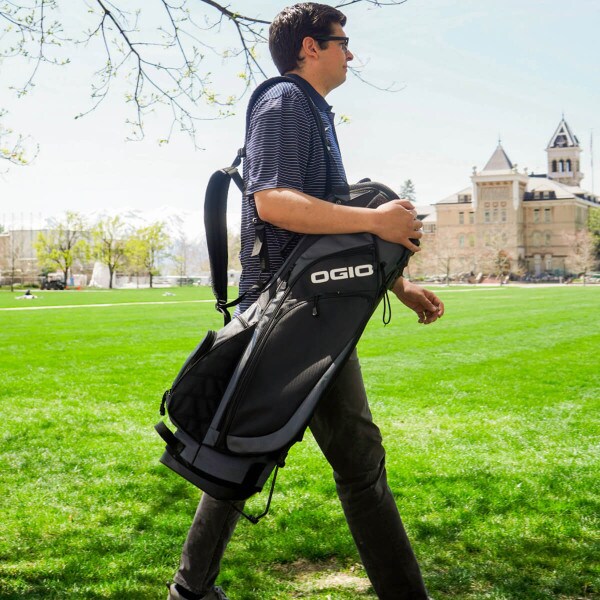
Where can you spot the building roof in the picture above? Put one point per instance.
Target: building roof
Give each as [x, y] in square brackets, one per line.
[544, 184]
[426, 212]
[538, 183]
[453, 199]
[424, 209]
[499, 161]
[563, 137]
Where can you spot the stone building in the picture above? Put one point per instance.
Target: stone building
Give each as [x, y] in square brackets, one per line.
[513, 221]
[18, 259]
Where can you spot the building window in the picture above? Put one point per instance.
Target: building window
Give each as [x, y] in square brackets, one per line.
[536, 215]
[471, 241]
[503, 215]
[568, 166]
[486, 216]
[554, 166]
[461, 218]
[537, 238]
[547, 238]
[461, 241]
[471, 218]
[547, 215]
[495, 215]
[561, 165]
[548, 262]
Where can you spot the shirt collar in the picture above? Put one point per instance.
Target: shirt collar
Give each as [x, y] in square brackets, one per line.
[319, 101]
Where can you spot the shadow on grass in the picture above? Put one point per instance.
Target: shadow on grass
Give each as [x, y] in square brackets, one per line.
[517, 537]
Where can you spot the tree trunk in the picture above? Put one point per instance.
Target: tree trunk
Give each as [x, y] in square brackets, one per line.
[150, 274]
[110, 277]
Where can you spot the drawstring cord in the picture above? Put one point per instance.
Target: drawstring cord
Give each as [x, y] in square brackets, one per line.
[387, 308]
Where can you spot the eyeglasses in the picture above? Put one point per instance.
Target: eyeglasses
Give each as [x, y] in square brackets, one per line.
[335, 38]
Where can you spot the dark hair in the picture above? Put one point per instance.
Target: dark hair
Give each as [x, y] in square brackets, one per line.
[293, 24]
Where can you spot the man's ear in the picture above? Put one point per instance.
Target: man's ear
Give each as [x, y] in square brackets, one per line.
[310, 48]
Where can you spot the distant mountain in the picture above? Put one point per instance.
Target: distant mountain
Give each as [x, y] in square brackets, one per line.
[179, 223]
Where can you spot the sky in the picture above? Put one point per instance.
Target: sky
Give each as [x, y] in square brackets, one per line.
[469, 73]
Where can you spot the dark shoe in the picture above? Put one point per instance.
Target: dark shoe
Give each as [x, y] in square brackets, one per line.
[175, 594]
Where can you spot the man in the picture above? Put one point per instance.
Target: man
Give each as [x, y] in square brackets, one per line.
[285, 177]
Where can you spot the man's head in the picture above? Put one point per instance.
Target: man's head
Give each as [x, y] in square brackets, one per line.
[303, 32]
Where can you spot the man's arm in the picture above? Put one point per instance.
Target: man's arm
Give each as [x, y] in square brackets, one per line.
[394, 221]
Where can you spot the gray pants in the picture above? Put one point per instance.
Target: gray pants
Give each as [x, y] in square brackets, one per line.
[343, 427]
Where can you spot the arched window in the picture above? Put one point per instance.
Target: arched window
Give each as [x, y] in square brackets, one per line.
[569, 164]
[561, 165]
[537, 238]
[461, 241]
[554, 166]
[547, 238]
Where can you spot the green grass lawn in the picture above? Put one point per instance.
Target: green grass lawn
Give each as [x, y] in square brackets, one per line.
[490, 419]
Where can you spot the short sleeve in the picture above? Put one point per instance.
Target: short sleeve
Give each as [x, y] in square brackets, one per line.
[278, 145]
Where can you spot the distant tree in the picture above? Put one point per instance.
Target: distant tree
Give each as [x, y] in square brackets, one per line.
[581, 254]
[146, 246]
[594, 227]
[63, 244]
[443, 255]
[181, 257]
[234, 245]
[407, 191]
[109, 237]
[495, 258]
[11, 257]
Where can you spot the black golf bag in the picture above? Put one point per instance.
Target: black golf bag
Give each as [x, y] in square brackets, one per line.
[247, 392]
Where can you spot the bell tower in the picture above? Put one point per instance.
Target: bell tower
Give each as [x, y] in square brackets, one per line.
[563, 156]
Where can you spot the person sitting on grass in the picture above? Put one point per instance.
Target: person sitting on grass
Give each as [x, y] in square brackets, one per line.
[27, 296]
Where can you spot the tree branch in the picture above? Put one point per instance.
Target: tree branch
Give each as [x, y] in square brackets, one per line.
[161, 65]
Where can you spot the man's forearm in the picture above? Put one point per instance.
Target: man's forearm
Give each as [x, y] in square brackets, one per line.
[295, 211]
[302, 213]
[398, 287]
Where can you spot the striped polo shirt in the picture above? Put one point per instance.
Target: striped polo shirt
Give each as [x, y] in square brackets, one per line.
[283, 150]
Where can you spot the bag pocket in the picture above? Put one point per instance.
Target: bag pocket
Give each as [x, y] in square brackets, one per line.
[294, 356]
[199, 388]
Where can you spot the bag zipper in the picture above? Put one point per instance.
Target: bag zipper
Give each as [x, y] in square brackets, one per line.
[248, 371]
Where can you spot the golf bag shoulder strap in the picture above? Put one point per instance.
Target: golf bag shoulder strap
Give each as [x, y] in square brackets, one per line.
[215, 201]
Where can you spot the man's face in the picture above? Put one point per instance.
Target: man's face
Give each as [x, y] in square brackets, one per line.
[335, 58]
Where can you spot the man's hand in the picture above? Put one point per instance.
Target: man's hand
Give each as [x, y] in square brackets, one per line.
[425, 303]
[398, 224]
